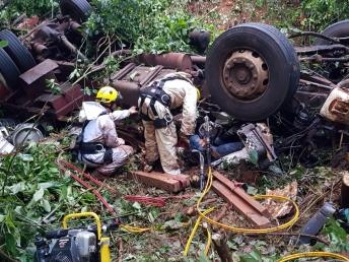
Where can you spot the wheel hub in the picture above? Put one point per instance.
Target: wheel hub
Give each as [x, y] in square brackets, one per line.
[245, 75]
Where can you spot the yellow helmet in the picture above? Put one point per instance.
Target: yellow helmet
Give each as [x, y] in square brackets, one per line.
[107, 94]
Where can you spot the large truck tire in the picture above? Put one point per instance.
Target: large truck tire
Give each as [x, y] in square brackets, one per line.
[8, 70]
[78, 10]
[17, 51]
[338, 29]
[251, 70]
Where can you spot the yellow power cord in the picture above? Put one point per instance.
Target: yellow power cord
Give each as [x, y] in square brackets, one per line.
[192, 234]
[132, 229]
[202, 216]
[313, 254]
[209, 241]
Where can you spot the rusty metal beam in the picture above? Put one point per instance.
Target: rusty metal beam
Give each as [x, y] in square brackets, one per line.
[240, 205]
[178, 61]
[242, 194]
[198, 59]
[123, 72]
[252, 210]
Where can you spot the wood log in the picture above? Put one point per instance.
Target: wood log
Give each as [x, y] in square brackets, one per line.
[220, 244]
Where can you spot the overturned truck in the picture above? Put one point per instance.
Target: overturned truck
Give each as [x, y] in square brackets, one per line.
[252, 72]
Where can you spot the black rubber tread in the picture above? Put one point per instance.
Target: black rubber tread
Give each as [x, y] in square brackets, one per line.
[9, 70]
[78, 10]
[338, 29]
[17, 51]
[280, 57]
[293, 59]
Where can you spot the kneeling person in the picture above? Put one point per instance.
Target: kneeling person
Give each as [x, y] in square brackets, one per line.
[98, 144]
[156, 104]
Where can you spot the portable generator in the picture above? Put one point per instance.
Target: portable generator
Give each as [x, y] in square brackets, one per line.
[85, 243]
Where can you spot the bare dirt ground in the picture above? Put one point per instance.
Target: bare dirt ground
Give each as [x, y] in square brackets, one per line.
[224, 14]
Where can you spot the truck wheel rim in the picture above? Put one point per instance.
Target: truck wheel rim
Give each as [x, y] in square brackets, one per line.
[245, 75]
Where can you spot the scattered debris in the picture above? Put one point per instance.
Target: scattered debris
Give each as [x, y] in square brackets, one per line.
[244, 81]
[5, 146]
[316, 222]
[276, 209]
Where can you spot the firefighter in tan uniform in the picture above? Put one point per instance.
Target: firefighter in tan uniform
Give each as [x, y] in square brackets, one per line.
[98, 144]
[172, 92]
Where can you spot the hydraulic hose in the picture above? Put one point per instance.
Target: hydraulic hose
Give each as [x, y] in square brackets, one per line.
[203, 216]
[313, 254]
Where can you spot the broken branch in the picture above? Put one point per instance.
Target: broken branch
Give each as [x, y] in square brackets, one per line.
[220, 244]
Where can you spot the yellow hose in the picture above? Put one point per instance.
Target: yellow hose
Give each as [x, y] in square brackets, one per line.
[202, 215]
[132, 229]
[192, 234]
[248, 230]
[313, 254]
[209, 241]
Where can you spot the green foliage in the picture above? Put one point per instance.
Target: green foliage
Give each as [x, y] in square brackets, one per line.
[53, 86]
[31, 188]
[3, 43]
[280, 14]
[111, 65]
[309, 15]
[150, 26]
[320, 13]
[127, 19]
[260, 252]
[337, 237]
[15, 8]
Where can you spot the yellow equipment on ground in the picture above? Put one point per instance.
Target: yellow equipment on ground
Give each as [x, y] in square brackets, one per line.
[82, 243]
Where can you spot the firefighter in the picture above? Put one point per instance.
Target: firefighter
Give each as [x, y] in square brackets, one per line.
[175, 91]
[98, 144]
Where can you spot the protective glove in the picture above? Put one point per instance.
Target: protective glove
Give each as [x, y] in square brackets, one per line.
[120, 141]
[132, 110]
